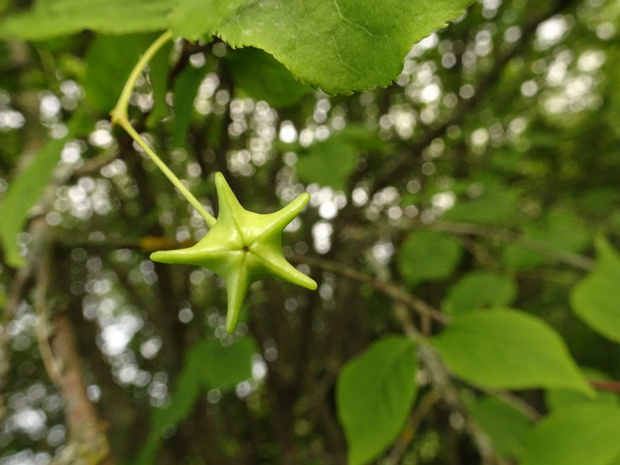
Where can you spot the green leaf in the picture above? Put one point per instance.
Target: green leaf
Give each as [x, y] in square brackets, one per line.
[224, 367]
[195, 19]
[258, 75]
[495, 205]
[328, 163]
[374, 394]
[110, 59]
[576, 435]
[560, 230]
[366, 140]
[506, 426]
[479, 289]
[428, 256]
[339, 46]
[560, 398]
[26, 189]
[52, 18]
[159, 68]
[185, 89]
[595, 299]
[208, 365]
[508, 349]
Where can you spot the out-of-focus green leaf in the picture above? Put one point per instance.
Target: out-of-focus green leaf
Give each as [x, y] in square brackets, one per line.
[225, 367]
[508, 349]
[561, 398]
[596, 298]
[366, 140]
[560, 230]
[110, 59]
[52, 18]
[575, 435]
[185, 90]
[159, 68]
[208, 365]
[506, 426]
[328, 163]
[27, 187]
[428, 256]
[261, 77]
[495, 205]
[479, 289]
[374, 394]
[340, 46]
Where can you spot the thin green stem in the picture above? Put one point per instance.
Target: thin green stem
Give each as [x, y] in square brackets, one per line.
[120, 110]
[119, 116]
[210, 219]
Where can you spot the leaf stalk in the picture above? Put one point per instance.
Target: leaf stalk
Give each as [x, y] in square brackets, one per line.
[119, 116]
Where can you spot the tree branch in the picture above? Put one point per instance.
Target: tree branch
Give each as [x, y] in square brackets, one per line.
[391, 290]
[570, 258]
[404, 164]
[87, 443]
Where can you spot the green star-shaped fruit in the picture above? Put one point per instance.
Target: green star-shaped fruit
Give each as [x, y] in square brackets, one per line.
[242, 247]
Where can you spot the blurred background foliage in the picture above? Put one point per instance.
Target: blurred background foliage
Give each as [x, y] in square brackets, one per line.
[480, 178]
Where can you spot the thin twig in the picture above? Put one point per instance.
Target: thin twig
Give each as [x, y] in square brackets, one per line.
[43, 323]
[424, 406]
[466, 107]
[517, 403]
[16, 295]
[605, 385]
[87, 442]
[445, 389]
[491, 232]
[386, 288]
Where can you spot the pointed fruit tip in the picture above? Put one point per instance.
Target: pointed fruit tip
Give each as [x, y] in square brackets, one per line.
[303, 199]
[158, 257]
[232, 316]
[219, 180]
[177, 256]
[311, 284]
